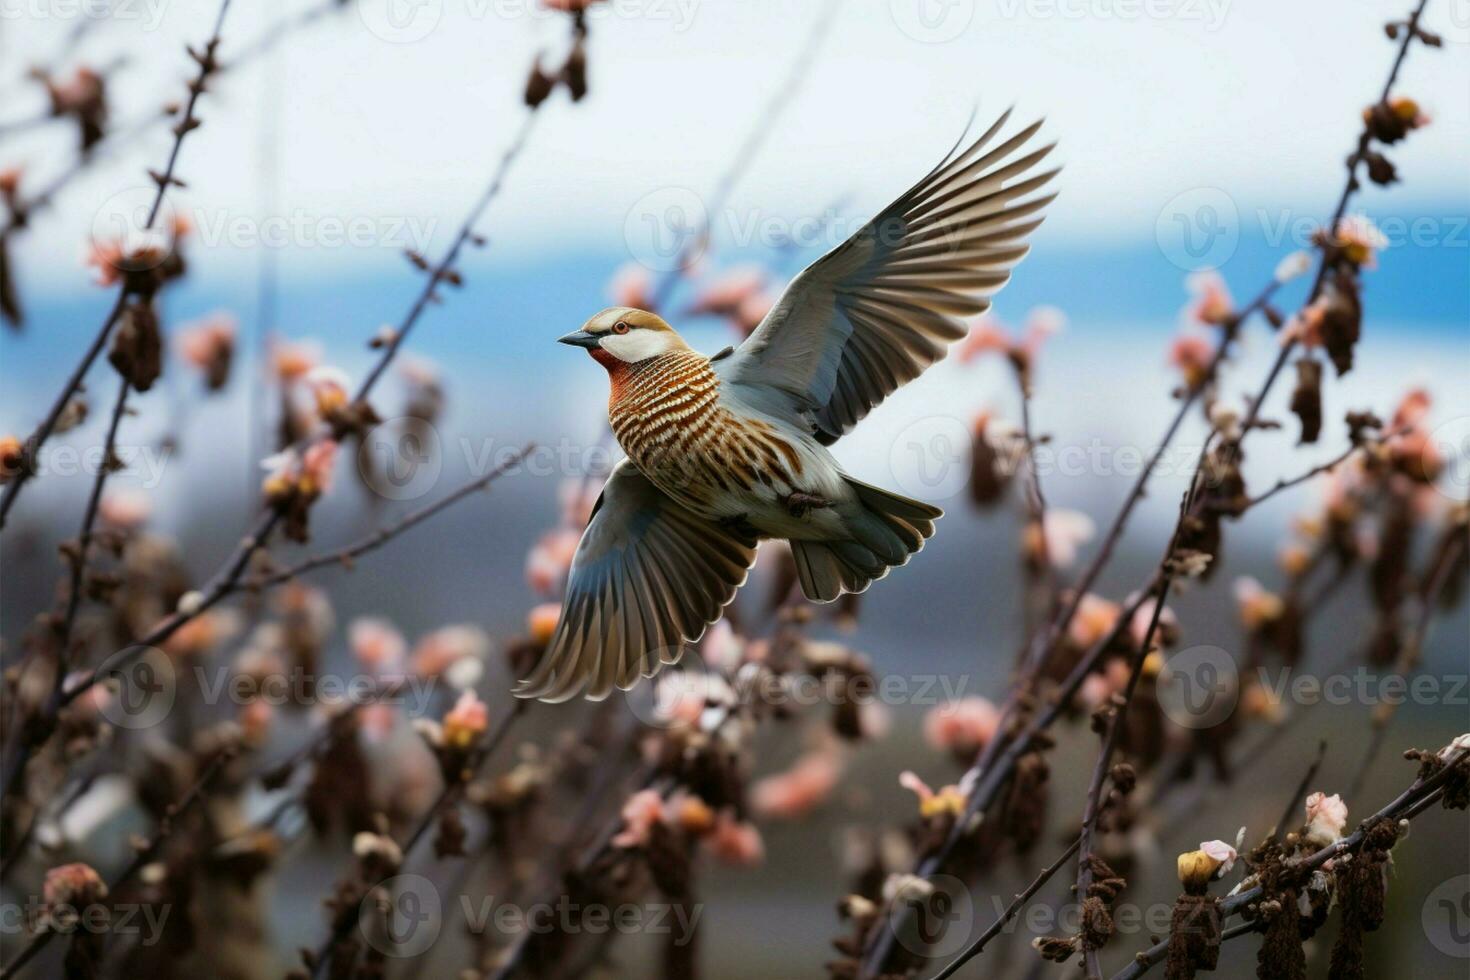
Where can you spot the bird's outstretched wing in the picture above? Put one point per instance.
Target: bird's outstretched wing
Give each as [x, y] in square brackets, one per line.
[649, 575]
[877, 310]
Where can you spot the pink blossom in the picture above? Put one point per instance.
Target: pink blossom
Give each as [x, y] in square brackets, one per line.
[723, 295]
[632, 286]
[1042, 323]
[642, 810]
[1221, 853]
[1191, 353]
[255, 720]
[1094, 618]
[1326, 818]
[317, 465]
[1143, 615]
[1064, 532]
[1257, 606]
[328, 386]
[1360, 240]
[987, 336]
[202, 342]
[933, 803]
[1212, 303]
[548, 562]
[800, 789]
[124, 509]
[541, 621]
[964, 726]
[75, 885]
[466, 721]
[1412, 410]
[377, 643]
[735, 842]
[751, 312]
[292, 359]
[439, 651]
[578, 496]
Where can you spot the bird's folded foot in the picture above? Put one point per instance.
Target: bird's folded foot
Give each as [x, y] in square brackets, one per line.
[798, 504]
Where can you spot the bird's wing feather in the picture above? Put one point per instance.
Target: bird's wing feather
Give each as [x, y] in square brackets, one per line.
[649, 575]
[877, 310]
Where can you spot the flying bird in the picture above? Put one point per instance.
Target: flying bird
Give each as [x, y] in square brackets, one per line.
[724, 452]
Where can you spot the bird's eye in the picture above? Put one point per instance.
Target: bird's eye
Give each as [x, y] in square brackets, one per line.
[620, 327]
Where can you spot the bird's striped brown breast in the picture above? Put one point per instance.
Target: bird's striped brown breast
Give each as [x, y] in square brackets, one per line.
[666, 414]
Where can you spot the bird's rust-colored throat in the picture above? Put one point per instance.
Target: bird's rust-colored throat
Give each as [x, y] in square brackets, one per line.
[618, 372]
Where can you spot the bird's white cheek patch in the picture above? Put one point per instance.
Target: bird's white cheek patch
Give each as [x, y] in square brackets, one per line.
[636, 345]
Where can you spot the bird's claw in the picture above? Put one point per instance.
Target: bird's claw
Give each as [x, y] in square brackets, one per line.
[798, 504]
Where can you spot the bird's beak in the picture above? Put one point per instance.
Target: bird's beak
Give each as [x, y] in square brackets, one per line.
[580, 338]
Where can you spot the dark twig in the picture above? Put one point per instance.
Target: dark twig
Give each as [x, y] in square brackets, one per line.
[1300, 793]
[186, 124]
[448, 796]
[144, 857]
[1350, 186]
[345, 557]
[780, 97]
[1407, 805]
[1012, 910]
[1410, 652]
[18, 757]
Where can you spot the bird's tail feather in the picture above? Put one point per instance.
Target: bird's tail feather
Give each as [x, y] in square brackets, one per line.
[884, 532]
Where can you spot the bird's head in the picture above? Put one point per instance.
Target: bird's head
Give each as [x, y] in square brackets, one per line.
[622, 335]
